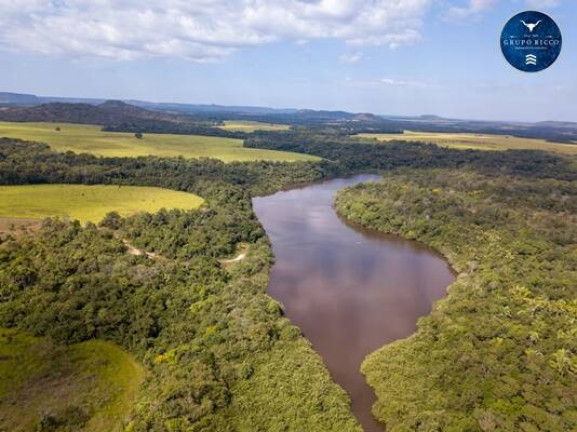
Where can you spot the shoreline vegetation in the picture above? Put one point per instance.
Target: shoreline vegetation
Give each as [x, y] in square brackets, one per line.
[498, 353]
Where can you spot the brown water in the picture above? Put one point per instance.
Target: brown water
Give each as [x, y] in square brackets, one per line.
[350, 290]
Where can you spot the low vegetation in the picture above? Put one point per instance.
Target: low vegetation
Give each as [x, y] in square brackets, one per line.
[90, 386]
[475, 141]
[91, 139]
[500, 352]
[88, 203]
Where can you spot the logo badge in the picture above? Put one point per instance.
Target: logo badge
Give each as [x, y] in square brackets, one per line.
[531, 41]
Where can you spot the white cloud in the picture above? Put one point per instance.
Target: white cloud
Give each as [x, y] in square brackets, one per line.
[402, 83]
[351, 58]
[199, 30]
[542, 4]
[388, 82]
[470, 9]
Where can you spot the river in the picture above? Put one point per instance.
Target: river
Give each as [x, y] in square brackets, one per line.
[350, 290]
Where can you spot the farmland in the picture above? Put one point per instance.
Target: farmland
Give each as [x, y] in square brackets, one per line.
[90, 139]
[88, 203]
[252, 126]
[476, 141]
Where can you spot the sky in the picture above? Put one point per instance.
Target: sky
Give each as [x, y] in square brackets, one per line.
[390, 57]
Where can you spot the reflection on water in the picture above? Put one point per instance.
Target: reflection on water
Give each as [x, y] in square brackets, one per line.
[349, 290]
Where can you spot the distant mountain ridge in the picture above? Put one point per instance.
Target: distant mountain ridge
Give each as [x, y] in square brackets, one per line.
[170, 118]
[8, 99]
[18, 99]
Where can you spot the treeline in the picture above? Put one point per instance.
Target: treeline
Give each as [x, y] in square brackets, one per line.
[23, 162]
[500, 352]
[166, 127]
[352, 155]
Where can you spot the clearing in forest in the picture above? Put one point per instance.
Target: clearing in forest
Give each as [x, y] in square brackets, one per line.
[88, 203]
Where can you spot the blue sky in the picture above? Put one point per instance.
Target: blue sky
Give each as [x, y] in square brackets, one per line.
[397, 57]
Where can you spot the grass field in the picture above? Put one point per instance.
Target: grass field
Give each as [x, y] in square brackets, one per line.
[88, 203]
[90, 139]
[476, 141]
[88, 387]
[252, 126]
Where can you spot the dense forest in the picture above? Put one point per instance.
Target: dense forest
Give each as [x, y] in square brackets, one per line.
[352, 155]
[500, 352]
[167, 127]
[217, 348]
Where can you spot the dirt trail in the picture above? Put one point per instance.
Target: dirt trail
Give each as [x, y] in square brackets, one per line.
[237, 258]
[133, 250]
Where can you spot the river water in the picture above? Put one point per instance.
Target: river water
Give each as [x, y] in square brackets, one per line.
[350, 290]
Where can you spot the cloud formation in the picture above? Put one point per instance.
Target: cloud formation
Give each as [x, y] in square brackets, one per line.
[540, 4]
[351, 58]
[386, 82]
[471, 8]
[199, 30]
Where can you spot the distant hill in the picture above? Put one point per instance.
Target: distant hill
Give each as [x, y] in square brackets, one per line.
[10, 99]
[107, 113]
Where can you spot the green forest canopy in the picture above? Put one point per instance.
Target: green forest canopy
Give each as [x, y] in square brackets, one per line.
[499, 353]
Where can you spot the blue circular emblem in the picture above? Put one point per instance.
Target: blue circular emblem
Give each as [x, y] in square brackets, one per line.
[531, 41]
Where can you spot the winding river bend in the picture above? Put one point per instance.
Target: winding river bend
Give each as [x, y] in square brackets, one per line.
[350, 290]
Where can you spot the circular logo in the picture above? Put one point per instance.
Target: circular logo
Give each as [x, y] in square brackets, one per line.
[531, 41]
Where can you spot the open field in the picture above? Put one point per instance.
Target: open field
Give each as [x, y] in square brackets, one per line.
[18, 227]
[86, 387]
[252, 126]
[88, 203]
[90, 139]
[476, 141]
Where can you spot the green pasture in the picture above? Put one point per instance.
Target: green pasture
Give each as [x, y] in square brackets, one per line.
[88, 203]
[476, 141]
[91, 139]
[89, 387]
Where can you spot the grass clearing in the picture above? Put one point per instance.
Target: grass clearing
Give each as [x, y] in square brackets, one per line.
[18, 227]
[252, 126]
[88, 387]
[476, 141]
[90, 139]
[88, 203]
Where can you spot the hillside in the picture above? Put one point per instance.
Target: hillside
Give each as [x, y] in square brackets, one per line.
[107, 113]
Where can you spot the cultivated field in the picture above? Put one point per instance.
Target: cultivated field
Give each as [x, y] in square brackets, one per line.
[252, 126]
[92, 384]
[90, 139]
[88, 203]
[476, 141]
